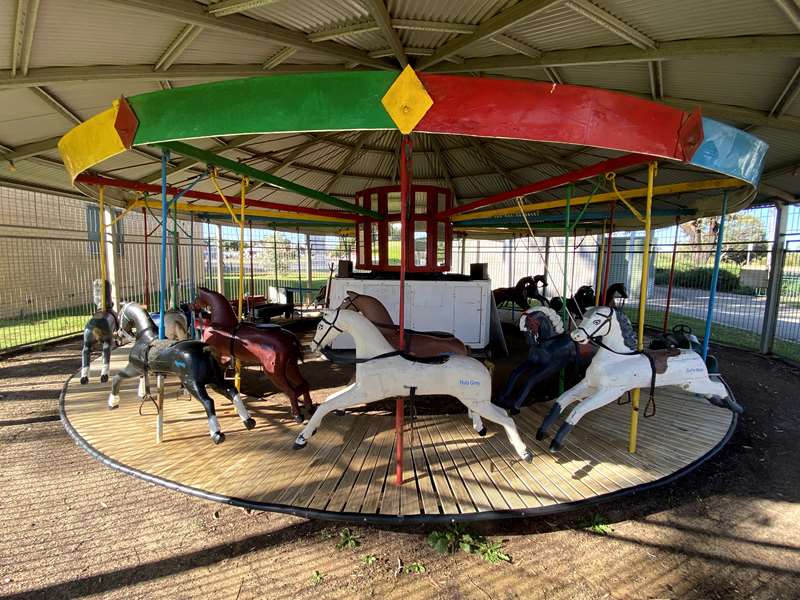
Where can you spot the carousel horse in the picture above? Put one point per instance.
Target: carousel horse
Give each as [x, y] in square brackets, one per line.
[100, 328]
[618, 368]
[550, 349]
[383, 372]
[192, 361]
[616, 294]
[275, 349]
[416, 343]
[577, 305]
[526, 288]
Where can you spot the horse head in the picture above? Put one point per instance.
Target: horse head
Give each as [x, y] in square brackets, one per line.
[585, 297]
[327, 330]
[369, 306]
[221, 310]
[614, 291]
[134, 320]
[540, 322]
[598, 322]
[535, 292]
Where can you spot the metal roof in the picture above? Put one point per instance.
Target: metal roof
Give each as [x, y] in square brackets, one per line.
[62, 61]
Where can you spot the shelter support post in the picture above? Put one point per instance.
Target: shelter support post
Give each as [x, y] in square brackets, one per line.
[220, 262]
[309, 265]
[547, 257]
[301, 297]
[112, 252]
[101, 246]
[237, 378]
[146, 261]
[464, 254]
[275, 260]
[252, 279]
[712, 296]
[775, 278]
[598, 276]
[634, 425]
[159, 409]
[671, 277]
[609, 247]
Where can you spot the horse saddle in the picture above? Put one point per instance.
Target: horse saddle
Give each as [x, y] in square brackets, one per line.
[658, 358]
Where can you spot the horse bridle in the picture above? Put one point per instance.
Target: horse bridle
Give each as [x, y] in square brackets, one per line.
[331, 325]
[593, 337]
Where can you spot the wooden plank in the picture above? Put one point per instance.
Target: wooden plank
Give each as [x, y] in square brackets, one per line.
[372, 500]
[410, 502]
[428, 497]
[342, 491]
[442, 488]
[451, 464]
[358, 493]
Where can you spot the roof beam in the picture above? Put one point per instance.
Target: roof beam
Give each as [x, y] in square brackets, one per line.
[791, 10]
[437, 151]
[255, 174]
[494, 25]
[510, 178]
[760, 45]
[181, 42]
[349, 159]
[25, 24]
[56, 75]
[342, 31]
[656, 79]
[787, 96]
[381, 15]
[410, 24]
[773, 192]
[189, 11]
[608, 21]
[29, 150]
[57, 104]
[277, 58]
[231, 7]
[736, 114]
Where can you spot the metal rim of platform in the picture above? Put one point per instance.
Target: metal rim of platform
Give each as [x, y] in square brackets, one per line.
[386, 519]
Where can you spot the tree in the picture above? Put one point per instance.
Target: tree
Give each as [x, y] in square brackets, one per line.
[743, 231]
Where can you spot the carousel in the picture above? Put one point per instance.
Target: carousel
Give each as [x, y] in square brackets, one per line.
[469, 434]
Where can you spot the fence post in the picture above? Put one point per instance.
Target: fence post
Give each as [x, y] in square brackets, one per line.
[511, 264]
[309, 264]
[775, 278]
[220, 260]
[463, 254]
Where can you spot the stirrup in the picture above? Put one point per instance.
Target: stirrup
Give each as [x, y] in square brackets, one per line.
[620, 402]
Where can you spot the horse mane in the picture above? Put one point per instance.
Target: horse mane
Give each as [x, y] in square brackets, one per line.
[221, 310]
[628, 335]
[555, 320]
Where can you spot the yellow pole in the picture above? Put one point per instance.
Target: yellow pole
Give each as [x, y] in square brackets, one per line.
[102, 231]
[238, 366]
[651, 174]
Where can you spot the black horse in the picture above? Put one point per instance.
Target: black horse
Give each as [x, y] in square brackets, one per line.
[525, 289]
[550, 349]
[192, 361]
[100, 328]
[577, 305]
[616, 295]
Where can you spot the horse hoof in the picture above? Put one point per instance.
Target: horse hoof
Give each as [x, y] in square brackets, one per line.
[298, 418]
[250, 423]
[217, 437]
[299, 443]
[540, 434]
[482, 432]
[113, 401]
[339, 412]
[527, 456]
[103, 378]
[84, 380]
[513, 411]
[558, 440]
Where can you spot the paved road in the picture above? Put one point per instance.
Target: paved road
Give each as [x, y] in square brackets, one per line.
[734, 310]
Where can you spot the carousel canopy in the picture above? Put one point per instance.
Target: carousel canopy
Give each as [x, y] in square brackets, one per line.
[494, 107]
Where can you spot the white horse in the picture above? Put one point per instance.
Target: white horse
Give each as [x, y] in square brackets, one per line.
[383, 372]
[618, 367]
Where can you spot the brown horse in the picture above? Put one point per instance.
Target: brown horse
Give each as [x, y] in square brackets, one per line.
[274, 348]
[526, 288]
[419, 344]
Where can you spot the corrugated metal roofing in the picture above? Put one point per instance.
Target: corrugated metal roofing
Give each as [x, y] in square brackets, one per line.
[106, 32]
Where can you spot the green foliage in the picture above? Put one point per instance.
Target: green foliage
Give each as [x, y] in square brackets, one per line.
[415, 567]
[599, 526]
[455, 537]
[347, 540]
[700, 278]
[317, 577]
[369, 559]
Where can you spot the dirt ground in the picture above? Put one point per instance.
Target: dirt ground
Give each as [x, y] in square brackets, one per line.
[73, 528]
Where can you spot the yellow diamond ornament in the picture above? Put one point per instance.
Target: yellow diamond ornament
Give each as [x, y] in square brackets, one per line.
[407, 101]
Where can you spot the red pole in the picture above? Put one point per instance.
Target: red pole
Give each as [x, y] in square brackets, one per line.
[607, 266]
[406, 168]
[671, 277]
[146, 264]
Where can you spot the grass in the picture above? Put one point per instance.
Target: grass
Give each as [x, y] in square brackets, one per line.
[28, 330]
[262, 282]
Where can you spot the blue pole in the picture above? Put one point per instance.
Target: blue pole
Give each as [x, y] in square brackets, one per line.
[712, 297]
[162, 301]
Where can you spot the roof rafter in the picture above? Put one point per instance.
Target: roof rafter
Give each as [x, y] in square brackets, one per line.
[277, 58]
[381, 15]
[437, 151]
[349, 159]
[230, 7]
[760, 45]
[496, 24]
[31, 149]
[410, 24]
[57, 104]
[510, 178]
[177, 46]
[188, 11]
[27, 13]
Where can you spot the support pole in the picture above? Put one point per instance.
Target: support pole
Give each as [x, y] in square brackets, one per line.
[192, 288]
[406, 248]
[634, 426]
[299, 270]
[275, 260]
[112, 251]
[162, 301]
[237, 378]
[159, 408]
[775, 277]
[547, 257]
[209, 270]
[101, 228]
[176, 274]
[609, 246]
[598, 276]
[309, 265]
[712, 297]
[220, 262]
[146, 262]
[671, 278]
[252, 279]
[463, 254]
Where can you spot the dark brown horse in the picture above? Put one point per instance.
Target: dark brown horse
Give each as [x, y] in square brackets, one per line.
[526, 288]
[274, 348]
[419, 344]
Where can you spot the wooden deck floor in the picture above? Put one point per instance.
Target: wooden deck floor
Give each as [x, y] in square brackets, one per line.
[348, 466]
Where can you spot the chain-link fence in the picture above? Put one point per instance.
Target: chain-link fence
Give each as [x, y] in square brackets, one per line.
[50, 258]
